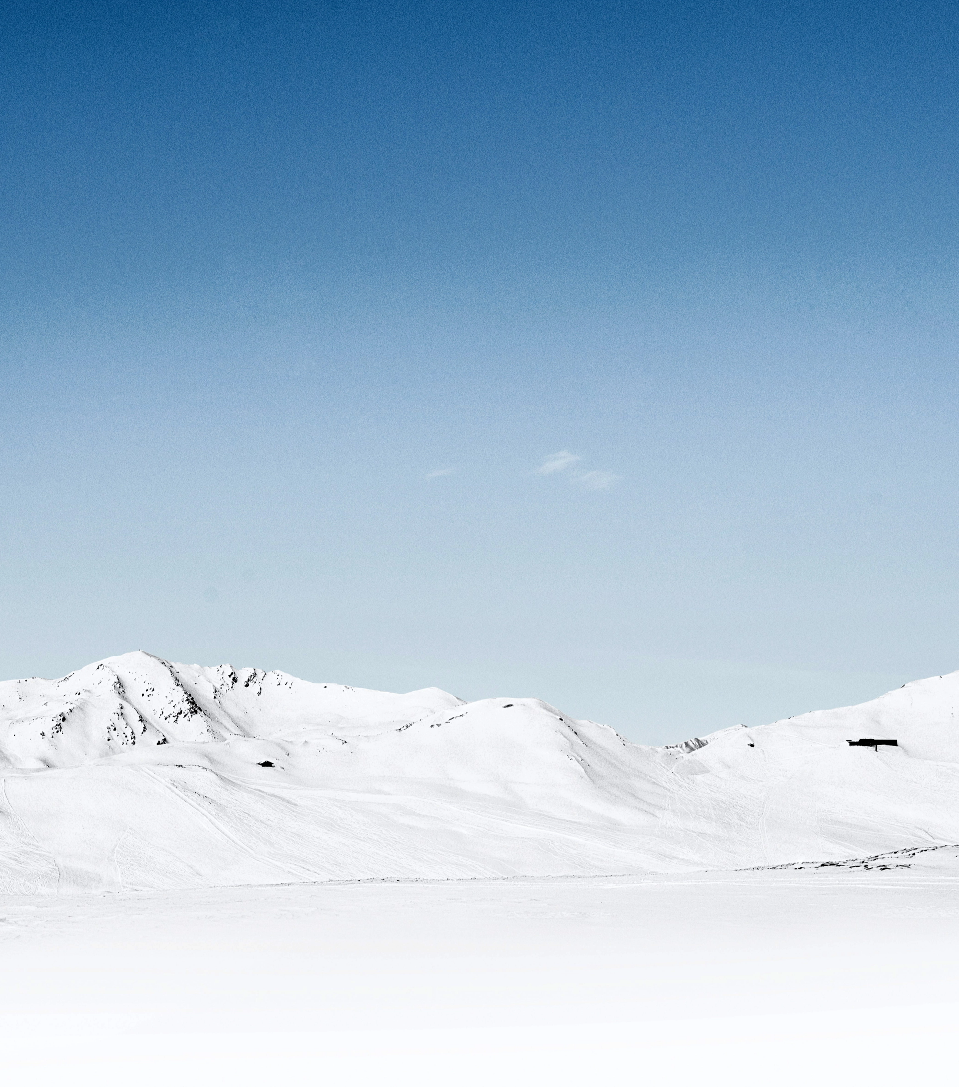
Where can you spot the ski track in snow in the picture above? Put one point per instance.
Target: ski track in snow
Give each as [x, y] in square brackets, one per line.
[210, 820]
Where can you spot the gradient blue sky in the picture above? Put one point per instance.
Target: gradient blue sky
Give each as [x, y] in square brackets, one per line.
[267, 269]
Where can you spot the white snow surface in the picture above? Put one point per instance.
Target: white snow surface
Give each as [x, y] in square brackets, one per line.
[840, 975]
[135, 774]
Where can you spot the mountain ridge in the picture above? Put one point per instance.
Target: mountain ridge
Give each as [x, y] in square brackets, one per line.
[136, 772]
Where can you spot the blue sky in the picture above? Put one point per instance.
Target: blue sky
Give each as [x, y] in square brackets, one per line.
[298, 300]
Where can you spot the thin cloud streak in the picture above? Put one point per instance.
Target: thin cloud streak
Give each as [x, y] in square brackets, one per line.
[437, 472]
[557, 462]
[597, 481]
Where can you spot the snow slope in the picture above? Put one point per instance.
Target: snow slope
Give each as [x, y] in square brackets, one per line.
[138, 774]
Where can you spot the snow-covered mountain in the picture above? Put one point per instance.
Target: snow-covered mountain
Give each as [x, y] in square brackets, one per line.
[135, 773]
[138, 700]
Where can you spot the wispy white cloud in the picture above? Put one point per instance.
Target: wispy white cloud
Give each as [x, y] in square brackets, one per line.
[597, 481]
[437, 472]
[557, 462]
[590, 481]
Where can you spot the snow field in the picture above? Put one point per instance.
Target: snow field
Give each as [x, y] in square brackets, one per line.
[836, 975]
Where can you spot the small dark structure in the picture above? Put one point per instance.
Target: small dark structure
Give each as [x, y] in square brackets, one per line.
[266, 762]
[874, 744]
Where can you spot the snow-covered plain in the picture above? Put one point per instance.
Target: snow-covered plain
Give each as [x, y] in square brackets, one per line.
[136, 774]
[836, 975]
